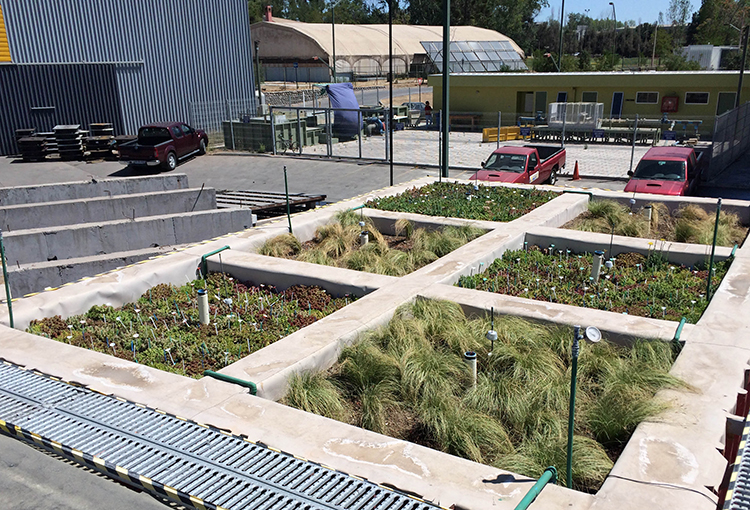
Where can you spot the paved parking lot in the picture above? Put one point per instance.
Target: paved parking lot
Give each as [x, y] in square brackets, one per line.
[420, 147]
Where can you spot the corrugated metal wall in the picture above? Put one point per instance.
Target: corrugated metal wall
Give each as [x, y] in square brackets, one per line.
[165, 54]
[46, 95]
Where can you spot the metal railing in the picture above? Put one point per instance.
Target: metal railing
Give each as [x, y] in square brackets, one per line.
[731, 139]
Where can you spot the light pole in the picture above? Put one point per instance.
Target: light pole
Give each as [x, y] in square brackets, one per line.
[445, 115]
[560, 53]
[257, 74]
[593, 335]
[614, 33]
[333, 36]
[390, 88]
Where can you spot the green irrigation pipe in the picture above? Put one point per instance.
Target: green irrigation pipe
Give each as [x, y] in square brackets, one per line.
[580, 192]
[286, 190]
[204, 263]
[713, 249]
[549, 475]
[228, 378]
[357, 208]
[734, 250]
[679, 329]
[5, 280]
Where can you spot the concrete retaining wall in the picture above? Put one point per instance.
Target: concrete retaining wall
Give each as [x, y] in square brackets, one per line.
[59, 243]
[89, 189]
[117, 207]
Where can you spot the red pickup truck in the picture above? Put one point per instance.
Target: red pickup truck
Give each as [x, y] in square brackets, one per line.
[666, 171]
[163, 144]
[527, 164]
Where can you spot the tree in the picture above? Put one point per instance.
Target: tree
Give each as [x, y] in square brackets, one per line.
[712, 24]
[678, 62]
[679, 11]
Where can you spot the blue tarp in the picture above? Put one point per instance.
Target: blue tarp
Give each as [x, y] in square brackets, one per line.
[345, 123]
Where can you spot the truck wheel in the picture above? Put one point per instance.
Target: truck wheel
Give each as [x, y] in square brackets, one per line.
[552, 176]
[202, 147]
[171, 162]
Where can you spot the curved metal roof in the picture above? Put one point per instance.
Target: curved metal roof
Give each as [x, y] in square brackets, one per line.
[361, 40]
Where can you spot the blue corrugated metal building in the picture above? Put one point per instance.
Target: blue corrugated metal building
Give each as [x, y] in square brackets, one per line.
[125, 62]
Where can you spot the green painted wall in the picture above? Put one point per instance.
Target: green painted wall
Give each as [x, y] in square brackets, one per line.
[490, 93]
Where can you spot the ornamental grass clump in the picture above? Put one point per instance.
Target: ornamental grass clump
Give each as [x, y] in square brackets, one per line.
[647, 286]
[408, 380]
[162, 328]
[467, 201]
[688, 224]
[337, 244]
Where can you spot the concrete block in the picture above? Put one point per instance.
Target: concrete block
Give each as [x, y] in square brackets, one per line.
[89, 189]
[60, 243]
[116, 207]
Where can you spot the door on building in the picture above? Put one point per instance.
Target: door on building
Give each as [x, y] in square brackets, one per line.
[616, 111]
[540, 103]
[525, 103]
[725, 102]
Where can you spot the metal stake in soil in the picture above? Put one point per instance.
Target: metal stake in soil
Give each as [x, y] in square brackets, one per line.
[286, 190]
[8, 298]
[713, 249]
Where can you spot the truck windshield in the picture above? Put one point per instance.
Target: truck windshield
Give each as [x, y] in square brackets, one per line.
[506, 162]
[153, 136]
[660, 170]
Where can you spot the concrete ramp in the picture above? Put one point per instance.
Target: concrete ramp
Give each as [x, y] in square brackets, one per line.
[92, 188]
[59, 233]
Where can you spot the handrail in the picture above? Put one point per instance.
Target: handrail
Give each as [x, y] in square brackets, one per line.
[550, 474]
[204, 264]
[228, 378]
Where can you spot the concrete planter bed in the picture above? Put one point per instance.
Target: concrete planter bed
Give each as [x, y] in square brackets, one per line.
[353, 241]
[162, 329]
[647, 286]
[685, 223]
[409, 380]
[466, 200]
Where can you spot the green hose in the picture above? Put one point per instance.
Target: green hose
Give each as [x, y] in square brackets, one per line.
[549, 475]
[228, 378]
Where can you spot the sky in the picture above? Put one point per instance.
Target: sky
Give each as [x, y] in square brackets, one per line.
[637, 10]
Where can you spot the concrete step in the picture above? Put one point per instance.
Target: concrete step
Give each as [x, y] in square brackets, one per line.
[36, 277]
[89, 189]
[86, 239]
[117, 207]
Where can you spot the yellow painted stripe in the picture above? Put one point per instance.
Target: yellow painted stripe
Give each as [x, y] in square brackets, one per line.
[4, 48]
[733, 477]
[121, 470]
[171, 492]
[198, 503]
[146, 482]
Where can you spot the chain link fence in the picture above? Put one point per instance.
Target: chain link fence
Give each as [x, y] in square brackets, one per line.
[211, 115]
[731, 139]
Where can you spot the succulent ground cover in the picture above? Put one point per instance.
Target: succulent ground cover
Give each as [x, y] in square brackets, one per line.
[408, 380]
[647, 286]
[689, 224]
[467, 201]
[162, 329]
[338, 244]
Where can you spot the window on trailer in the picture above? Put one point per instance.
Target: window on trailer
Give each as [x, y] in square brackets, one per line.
[646, 97]
[696, 97]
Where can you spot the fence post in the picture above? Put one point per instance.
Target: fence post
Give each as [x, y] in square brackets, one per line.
[299, 131]
[231, 124]
[385, 133]
[499, 123]
[329, 143]
[359, 132]
[632, 148]
[273, 129]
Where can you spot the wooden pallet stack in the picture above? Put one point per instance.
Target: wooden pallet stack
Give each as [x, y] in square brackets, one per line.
[69, 140]
[33, 148]
[101, 137]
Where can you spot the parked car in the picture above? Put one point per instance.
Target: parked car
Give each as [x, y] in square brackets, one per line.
[527, 164]
[666, 171]
[163, 144]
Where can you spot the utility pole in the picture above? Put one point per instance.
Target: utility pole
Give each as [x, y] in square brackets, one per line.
[656, 32]
[445, 116]
[742, 68]
[560, 53]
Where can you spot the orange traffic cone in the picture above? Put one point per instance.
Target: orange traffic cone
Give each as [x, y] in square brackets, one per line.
[576, 175]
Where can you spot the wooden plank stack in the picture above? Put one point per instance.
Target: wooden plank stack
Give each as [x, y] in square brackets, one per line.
[69, 141]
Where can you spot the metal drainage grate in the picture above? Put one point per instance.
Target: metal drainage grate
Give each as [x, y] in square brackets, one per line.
[197, 465]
